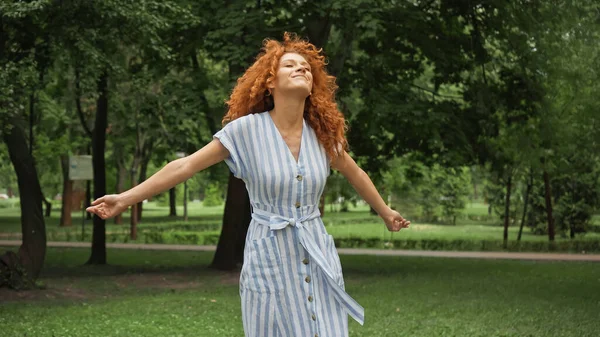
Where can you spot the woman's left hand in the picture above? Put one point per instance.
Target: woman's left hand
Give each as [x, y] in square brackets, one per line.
[394, 221]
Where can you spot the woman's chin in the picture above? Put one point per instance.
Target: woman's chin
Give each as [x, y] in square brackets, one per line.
[301, 92]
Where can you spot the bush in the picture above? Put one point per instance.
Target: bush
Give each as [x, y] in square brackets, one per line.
[214, 196]
[10, 203]
[573, 246]
[174, 237]
[212, 238]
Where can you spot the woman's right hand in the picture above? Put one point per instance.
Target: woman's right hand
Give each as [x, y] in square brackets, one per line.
[107, 206]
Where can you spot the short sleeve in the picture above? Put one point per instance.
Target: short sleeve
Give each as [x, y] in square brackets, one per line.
[231, 137]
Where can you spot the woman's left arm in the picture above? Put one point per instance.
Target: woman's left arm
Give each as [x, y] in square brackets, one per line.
[365, 188]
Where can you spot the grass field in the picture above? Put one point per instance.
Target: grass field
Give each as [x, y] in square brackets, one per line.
[148, 294]
[475, 224]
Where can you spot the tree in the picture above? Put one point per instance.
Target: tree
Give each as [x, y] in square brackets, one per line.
[95, 48]
[21, 46]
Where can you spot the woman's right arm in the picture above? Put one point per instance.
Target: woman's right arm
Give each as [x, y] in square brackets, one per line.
[170, 175]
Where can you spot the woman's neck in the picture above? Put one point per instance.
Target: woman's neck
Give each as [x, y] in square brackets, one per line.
[288, 114]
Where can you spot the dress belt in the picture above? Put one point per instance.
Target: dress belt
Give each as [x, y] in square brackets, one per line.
[277, 222]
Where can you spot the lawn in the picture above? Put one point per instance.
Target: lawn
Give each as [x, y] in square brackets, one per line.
[473, 225]
[144, 293]
[153, 216]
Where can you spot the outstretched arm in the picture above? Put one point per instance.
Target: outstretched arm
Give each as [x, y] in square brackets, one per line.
[365, 188]
[170, 175]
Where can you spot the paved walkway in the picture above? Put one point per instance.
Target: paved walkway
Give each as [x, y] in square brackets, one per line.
[347, 251]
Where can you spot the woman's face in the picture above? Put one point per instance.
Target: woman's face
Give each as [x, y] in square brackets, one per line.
[293, 75]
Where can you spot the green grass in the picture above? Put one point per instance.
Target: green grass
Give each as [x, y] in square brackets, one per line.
[359, 223]
[148, 294]
[474, 224]
[476, 208]
[153, 215]
[376, 229]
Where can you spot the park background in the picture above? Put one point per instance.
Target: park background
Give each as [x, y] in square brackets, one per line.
[477, 120]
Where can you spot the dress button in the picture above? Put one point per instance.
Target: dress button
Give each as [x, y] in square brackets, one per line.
[310, 298]
[314, 318]
[297, 204]
[299, 177]
[307, 279]
[305, 261]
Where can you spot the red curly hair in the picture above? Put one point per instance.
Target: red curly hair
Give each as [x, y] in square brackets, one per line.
[251, 94]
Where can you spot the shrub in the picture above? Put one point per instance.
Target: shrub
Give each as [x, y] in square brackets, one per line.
[574, 246]
[214, 195]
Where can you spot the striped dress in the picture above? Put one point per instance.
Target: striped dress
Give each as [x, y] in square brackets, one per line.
[291, 282]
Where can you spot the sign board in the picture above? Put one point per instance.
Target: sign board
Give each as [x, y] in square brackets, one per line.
[80, 168]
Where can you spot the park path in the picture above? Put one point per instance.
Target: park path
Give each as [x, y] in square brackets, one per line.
[347, 251]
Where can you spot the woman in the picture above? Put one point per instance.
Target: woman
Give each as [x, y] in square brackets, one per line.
[283, 134]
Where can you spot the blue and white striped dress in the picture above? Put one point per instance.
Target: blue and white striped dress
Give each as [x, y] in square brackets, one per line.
[291, 282]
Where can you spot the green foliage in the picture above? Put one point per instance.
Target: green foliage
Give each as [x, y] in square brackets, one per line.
[428, 88]
[10, 203]
[441, 192]
[572, 246]
[8, 177]
[340, 193]
[575, 199]
[455, 187]
[576, 196]
[213, 195]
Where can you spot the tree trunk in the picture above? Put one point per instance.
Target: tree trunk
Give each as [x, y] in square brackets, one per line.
[86, 129]
[507, 210]
[141, 179]
[236, 219]
[527, 191]
[65, 213]
[121, 176]
[172, 202]
[88, 188]
[32, 252]
[48, 205]
[32, 118]
[133, 218]
[318, 29]
[372, 211]
[98, 255]
[31, 122]
[185, 210]
[88, 198]
[549, 205]
[133, 210]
